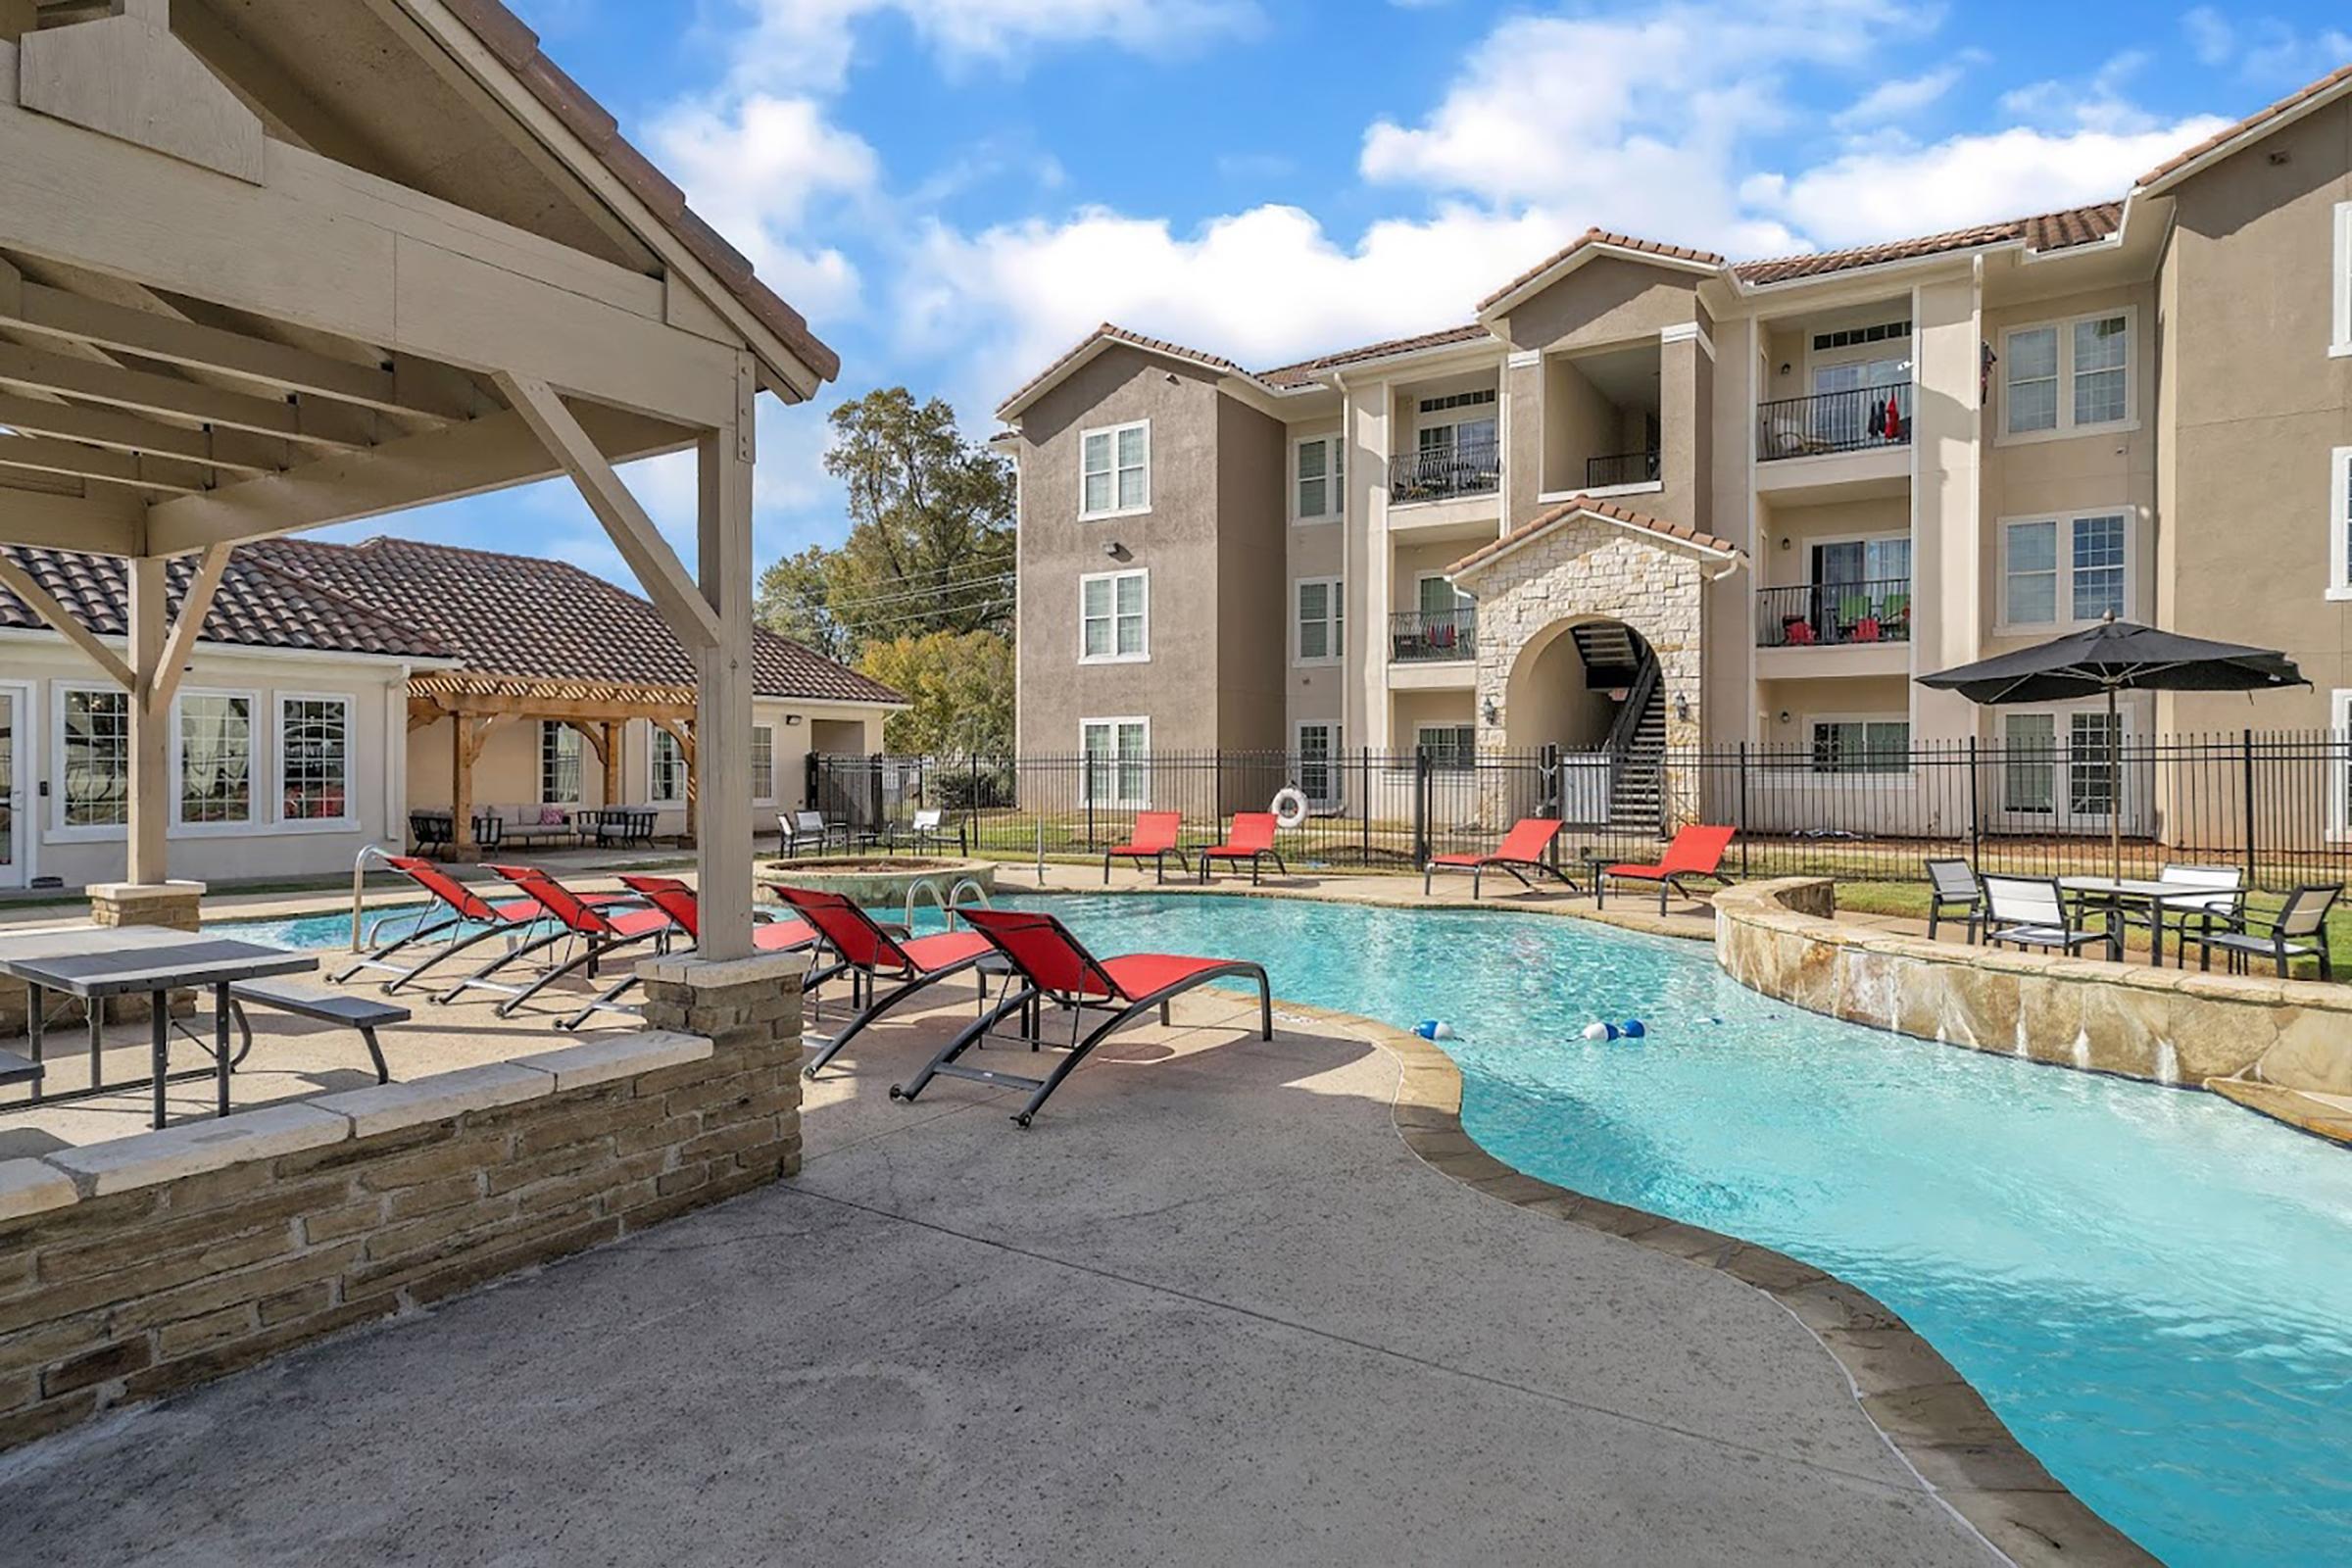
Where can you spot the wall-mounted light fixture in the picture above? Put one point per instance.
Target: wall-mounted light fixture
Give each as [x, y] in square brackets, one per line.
[1783, 541]
[791, 721]
[1782, 715]
[1114, 549]
[1493, 714]
[1681, 709]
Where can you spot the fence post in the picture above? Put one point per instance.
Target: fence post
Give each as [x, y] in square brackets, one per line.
[1420, 805]
[808, 785]
[1976, 809]
[1364, 805]
[2247, 745]
[1743, 811]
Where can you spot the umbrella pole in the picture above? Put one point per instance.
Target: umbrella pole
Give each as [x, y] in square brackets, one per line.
[2115, 788]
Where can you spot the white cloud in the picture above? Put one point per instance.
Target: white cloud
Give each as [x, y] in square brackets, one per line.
[1898, 98]
[2264, 50]
[2098, 102]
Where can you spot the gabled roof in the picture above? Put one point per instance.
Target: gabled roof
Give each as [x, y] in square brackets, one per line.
[1093, 343]
[1590, 245]
[1304, 373]
[2287, 110]
[257, 606]
[2044, 232]
[1607, 511]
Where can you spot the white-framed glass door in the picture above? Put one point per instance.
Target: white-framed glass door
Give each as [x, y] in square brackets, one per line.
[16, 808]
[2057, 775]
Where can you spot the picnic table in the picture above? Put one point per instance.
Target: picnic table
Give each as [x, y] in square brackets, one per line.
[94, 963]
[2113, 895]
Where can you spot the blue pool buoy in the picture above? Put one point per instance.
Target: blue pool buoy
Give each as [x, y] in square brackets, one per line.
[1434, 1029]
[1596, 1030]
[1633, 1029]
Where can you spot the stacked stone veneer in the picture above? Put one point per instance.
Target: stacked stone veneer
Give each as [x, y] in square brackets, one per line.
[2166, 1026]
[134, 1268]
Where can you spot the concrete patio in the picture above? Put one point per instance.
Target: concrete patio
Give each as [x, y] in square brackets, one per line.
[1211, 1308]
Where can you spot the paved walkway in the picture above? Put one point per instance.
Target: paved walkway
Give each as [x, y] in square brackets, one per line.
[1209, 1309]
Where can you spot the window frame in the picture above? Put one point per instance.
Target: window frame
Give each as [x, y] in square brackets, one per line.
[2062, 608]
[1086, 764]
[1112, 432]
[255, 780]
[1334, 478]
[2339, 765]
[2340, 339]
[557, 727]
[1466, 764]
[1814, 724]
[1142, 656]
[654, 737]
[279, 729]
[1334, 622]
[2066, 428]
[2338, 512]
[759, 733]
[1333, 763]
[62, 831]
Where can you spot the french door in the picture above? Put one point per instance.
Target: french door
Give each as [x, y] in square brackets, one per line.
[2061, 773]
[16, 814]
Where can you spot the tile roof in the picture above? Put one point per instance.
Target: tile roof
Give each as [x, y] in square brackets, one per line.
[1599, 236]
[2046, 231]
[516, 46]
[521, 615]
[258, 606]
[1115, 334]
[2259, 120]
[1576, 506]
[1306, 370]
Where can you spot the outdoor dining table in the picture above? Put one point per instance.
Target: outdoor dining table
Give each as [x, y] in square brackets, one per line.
[2113, 894]
[94, 963]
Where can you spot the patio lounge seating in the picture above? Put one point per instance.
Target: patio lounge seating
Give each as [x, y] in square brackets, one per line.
[1154, 835]
[2032, 912]
[1696, 851]
[1953, 892]
[1252, 839]
[874, 954]
[457, 919]
[2215, 900]
[1520, 854]
[673, 897]
[601, 927]
[930, 829]
[810, 830]
[1053, 965]
[2298, 931]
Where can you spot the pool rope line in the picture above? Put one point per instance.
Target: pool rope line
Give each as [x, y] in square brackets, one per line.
[1942, 1431]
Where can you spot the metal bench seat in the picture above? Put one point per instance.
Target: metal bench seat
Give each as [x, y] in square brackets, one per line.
[16, 1069]
[366, 1014]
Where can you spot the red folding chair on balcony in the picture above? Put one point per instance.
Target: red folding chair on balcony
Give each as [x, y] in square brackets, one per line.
[1522, 852]
[1252, 839]
[1053, 965]
[1694, 852]
[872, 955]
[592, 929]
[457, 919]
[676, 900]
[1154, 835]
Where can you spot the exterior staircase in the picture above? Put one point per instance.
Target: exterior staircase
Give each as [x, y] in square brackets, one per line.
[1615, 656]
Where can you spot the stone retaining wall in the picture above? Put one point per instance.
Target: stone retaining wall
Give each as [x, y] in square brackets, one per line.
[2165, 1025]
[134, 1268]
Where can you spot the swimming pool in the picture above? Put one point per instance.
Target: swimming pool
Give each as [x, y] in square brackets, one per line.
[2153, 1288]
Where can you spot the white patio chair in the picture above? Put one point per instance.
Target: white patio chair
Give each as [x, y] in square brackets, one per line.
[2032, 912]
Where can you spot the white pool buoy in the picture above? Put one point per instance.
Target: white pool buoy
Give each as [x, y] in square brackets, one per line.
[1288, 807]
[1596, 1030]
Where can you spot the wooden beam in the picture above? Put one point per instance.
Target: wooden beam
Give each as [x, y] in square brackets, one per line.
[609, 755]
[560, 709]
[237, 451]
[152, 392]
[640, 543]
[194, 606]
[112, 523]
[424, 711]
[41, 455]
[460, 459]
[722, 764]
[150, 785]
[62, 620]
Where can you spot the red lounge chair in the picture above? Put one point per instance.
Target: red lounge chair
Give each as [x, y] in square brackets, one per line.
[1521, 851]
[1155, 836]
[600, 925]
[872, 954]
[1053, 966]
[455, 906]
[676, 900]
[1695, 852]
[1252, 839]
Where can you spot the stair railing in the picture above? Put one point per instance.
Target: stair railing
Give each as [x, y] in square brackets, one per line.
[1625, 732]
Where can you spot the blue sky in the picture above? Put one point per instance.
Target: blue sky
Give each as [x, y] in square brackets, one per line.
[954, 190]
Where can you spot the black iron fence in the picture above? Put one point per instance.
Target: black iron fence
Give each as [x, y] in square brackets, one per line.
[1855, 419]
[1444, 472]
[1418, 637]
[2277, 804]
[1620, 468]
[1832, 614]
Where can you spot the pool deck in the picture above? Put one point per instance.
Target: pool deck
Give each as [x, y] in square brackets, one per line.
[1212, 1308]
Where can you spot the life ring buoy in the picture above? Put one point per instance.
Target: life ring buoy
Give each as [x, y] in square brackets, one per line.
[1288, 807]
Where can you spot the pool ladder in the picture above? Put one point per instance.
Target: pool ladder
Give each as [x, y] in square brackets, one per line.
[948, 904]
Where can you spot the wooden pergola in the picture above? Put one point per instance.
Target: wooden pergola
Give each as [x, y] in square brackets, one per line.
[290, 263]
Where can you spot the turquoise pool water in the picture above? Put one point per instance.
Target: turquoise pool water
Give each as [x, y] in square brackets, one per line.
[2153, 1288]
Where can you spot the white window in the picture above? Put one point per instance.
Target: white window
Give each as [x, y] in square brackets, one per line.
[93, 756]
[2340, 764]
[1114, 618]
[2068, 377]
[1319, 479]
[1453, 746]
[665, 781]
[2343, 343]
[1118, 761]
[211, 738]
[1114, 471]
[2056, 765]
[763, 762]
[313, 758]
[2067, 570]
[1319, 768]
[1861, 744]
[2339, 523]
[558, 764]
[1321, 613]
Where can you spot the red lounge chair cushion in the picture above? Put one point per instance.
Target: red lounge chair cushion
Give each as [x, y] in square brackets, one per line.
[1252, 833]
[781, 936]
[1650, 874]
[1459, 860]
[1155, 831]
[1139, 974]
[519, 910]
[938, 950]
[637, 922]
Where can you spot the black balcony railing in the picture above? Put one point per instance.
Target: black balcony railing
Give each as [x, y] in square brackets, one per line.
[1442, 473]
[1830, 615]
[1620, 468]
[1418, 638]
[1858, 420]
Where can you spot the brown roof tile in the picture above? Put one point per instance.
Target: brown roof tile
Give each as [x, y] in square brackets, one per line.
[517, 47]
[2338, 78]
[1115, 334]
[2076, 225]
[1576, 505]
[1306, 370]
[1599, 236]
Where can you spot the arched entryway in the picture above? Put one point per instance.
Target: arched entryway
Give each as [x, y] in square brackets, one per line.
[1572, 683]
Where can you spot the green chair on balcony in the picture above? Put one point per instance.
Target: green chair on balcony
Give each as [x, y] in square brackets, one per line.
[1853, 610]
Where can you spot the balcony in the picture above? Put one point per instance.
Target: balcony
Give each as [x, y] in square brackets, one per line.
[1417, 637]
[1835, 614]
[1869, 418]
[1446, 472]
[1622, 468]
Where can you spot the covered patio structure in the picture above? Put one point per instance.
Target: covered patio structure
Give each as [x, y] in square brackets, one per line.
[276, 264]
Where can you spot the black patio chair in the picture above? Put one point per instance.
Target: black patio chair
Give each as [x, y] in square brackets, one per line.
[1955, 894]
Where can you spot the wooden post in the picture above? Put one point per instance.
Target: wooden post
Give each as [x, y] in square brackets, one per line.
[722, 726]
[460, 788]
[149, 781]
[608, 753]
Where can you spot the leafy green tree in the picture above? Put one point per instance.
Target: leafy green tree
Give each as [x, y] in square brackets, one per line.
[960, 685]
[790, 601]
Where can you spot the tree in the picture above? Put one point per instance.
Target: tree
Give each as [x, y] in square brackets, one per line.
[790, 601]
[961, 686]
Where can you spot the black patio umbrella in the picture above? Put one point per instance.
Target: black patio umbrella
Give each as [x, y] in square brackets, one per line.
[2116, 656]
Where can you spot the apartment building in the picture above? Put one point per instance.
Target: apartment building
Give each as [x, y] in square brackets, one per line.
[1651, 492]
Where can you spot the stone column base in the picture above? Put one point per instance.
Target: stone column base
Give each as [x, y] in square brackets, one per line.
[750, 1010]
